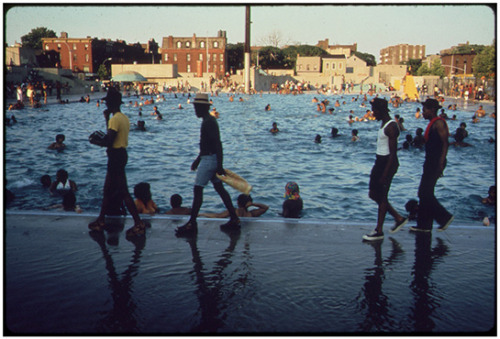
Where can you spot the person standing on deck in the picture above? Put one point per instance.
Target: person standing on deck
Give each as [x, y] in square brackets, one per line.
[386, 166]
[436, 147]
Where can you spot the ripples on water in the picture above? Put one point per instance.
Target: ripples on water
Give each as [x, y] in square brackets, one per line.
[333, 176]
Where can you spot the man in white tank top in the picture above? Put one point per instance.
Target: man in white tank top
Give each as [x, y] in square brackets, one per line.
[386, 166]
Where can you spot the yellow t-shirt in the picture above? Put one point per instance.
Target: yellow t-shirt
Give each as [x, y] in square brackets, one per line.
[120, 123]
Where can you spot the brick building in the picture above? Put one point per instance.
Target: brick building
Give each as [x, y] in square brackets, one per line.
[196, 54]
[457, 63]
[395, 55]
[87, 54]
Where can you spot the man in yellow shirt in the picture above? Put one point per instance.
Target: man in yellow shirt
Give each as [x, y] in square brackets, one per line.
[115, 184]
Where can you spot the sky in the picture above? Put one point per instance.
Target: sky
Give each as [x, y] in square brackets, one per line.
[372, 26]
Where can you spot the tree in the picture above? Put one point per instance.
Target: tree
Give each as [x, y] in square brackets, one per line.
[34, 38]
[235, 55]
[484, 63]
[274, 39]
[271, 57]
[102, 72]
[435, 69]
[413, 65]
[368, 58]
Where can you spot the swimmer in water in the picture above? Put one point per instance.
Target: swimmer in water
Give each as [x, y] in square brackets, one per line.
[317, 139]
[293, 205]
[59, 144]
[62, 184]
[144, 201]
[244, 203]
[274, 129]
[177, 208]
[354, 134]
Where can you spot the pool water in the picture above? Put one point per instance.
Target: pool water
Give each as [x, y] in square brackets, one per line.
[333, 176]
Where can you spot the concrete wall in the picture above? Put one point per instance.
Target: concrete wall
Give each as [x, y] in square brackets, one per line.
[157, 71]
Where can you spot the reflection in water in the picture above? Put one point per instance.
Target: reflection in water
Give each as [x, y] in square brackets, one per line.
[375, 302]
[121, 318]
[215, 289]
[423, 290]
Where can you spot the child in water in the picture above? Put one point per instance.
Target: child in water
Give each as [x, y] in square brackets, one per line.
[143, 201]
[354, 134]
[59, 144]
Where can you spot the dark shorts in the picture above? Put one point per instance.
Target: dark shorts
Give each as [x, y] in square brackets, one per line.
[381, 190]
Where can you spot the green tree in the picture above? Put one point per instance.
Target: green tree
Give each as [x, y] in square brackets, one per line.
[484, 63]
[437, 68]
[34, 38]
[102, 72]
[423, 70]
[271, 57]
[366, 57]
[413, 65]
[235, 55]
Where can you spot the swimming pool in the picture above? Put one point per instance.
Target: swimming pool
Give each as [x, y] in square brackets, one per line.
[333, 175]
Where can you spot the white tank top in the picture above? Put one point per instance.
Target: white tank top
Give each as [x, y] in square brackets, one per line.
[383, 140]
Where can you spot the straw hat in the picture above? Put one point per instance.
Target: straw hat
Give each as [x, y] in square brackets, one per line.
[201, 98]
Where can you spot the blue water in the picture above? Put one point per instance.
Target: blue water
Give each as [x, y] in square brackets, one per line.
[333, 176]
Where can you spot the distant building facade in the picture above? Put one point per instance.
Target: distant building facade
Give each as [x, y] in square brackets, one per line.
[20, 56]
[196, 54]
[346, 50]
[457, 63]
[334, 65]
[308, 64]
[87, 54]
[395, 55]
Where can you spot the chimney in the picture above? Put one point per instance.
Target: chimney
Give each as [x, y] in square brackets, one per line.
[64, 35]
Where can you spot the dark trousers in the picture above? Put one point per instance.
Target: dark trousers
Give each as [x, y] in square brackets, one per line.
[429, 208]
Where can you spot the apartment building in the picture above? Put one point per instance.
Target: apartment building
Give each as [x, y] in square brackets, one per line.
[395, 55]
[196, 55]
[87, 54]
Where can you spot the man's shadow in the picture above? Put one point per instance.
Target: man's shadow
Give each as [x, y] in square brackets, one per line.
[212, 289]
[423, 290]
[121, 318]
[373, 301]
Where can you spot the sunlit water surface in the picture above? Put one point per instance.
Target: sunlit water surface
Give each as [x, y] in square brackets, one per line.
[333, 176]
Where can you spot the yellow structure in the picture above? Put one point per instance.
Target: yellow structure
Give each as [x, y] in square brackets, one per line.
[409, 87]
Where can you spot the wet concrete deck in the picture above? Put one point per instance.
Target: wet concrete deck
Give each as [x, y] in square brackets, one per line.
[275, 276]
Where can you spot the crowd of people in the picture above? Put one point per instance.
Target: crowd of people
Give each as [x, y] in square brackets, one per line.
[116, 143]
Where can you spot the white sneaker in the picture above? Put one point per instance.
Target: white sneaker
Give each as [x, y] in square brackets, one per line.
[374, 235]
[445, 226]
[397, 226]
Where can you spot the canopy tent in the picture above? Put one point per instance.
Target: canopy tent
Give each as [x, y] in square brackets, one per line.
[129, 76]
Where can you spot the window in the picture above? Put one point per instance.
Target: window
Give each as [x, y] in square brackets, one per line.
[200, 56]
[349, 70]
[333, 65]
[86, 58]
[221, 57]
[188, 57]
[166, 57]
[327, 65]
[46, 47]
[175, 56]
[74, 47]
[340, 66]
[74, 56]
[86, 47]
[202, 44]
[179, 44]
[221, 68]
[216, 44]
[188, 44]
[58, 46]
[214, 57]
[188, 68]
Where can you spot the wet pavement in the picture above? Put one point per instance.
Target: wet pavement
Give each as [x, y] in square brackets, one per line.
[275, 276]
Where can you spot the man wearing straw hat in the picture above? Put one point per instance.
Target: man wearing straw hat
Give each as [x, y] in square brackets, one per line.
[208, 164]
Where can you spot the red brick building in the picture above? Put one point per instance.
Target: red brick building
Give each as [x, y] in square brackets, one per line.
[458, 63]
[196, 54]
[87, 54]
